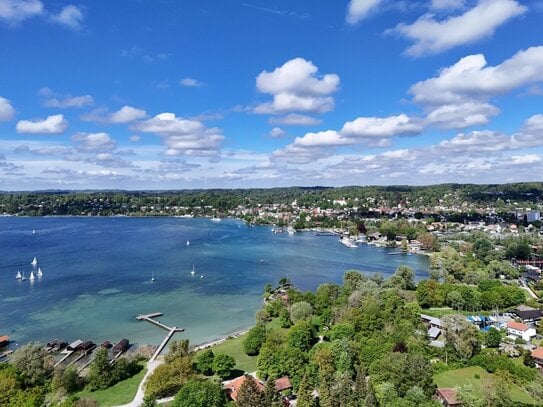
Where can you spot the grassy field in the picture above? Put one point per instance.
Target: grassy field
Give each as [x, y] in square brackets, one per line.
[461, 377]
[234, 348]
[122, 393]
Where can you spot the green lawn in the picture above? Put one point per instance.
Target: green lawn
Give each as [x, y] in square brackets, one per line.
[234, 348]
[461, 377]
[121, 393]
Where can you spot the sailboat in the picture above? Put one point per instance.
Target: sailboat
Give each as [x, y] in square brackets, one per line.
[39, 273]
[34, 262]
[153, 277]
[31, 278]
[23, 278]
[193, 270]
[19, 276]
[188, 242]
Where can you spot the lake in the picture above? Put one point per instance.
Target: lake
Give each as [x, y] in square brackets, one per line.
[97, 274]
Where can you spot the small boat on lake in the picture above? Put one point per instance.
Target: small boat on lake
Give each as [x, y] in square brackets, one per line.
[39, 273]
[193, 270]
[19, 276]
[31, 278]
[188, 242]
[153, 277]
[34, 262]
[215, 219]
[347, 242]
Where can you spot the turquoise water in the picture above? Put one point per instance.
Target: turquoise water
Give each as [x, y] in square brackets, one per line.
[97, 274]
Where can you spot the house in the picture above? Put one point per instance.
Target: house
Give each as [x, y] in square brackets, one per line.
[537, 354]
[520, 330]
[75, 345]
[232, 387]
[447, 397]
[528, 314]
[282, 384]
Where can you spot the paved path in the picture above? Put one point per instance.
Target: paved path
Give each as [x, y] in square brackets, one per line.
[138, 399]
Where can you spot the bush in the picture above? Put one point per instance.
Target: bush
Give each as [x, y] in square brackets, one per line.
[198, 393]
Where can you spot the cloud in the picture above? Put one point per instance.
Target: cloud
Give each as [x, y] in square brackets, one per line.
[45, 151]
[70, 16]
[525, 159]
[64, 101]
[191, 83]
[15, 11]
[94, 142]
[183, 136]
[277, 12]
[134, 138]
[358, 10]
[295, 119]
[447, 4]
[530, 134]
[277, 132]
[432, 36]
[55, 124]
[296, 87]
[329, 138]
[471, 79]
[461, 116]
[125, 114]
[477, 141]
[383, 127]
[7, 112]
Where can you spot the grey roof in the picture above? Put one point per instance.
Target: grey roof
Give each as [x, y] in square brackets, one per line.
[434, 332]
[431, 320]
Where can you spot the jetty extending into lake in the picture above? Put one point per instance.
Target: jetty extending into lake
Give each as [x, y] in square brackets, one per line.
[171, 331]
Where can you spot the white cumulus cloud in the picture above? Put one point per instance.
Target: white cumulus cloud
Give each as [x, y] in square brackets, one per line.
[368, 127]
[470, 78]
[525, 159]
[6, 110]
[431, 35]
[55, 100]
[125, 114]
[70, 16]
[15, 11]
[297, 87]
[54, 124]
[277, 132]
[94, 142]
[183, 136]
[295, 119]
[357, 10]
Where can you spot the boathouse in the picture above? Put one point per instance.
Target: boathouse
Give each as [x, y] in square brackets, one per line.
[121, 346]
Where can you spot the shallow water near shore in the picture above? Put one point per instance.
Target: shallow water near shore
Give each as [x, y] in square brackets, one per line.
[97, 274]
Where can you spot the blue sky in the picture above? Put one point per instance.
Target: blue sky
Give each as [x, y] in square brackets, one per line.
[166, 94]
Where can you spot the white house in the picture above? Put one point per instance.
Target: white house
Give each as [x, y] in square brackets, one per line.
[520, 330]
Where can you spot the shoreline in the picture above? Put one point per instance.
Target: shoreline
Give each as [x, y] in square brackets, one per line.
[219, 340]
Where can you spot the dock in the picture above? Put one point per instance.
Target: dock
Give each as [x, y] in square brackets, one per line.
[171, 331]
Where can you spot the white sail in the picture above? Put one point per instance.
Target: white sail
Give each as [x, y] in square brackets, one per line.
[188, 242]
[18, 276]
[34, 262]
[31, 276]
[193, 270]
[40, 273]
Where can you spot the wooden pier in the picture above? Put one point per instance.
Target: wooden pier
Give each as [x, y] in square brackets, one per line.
[171, 331]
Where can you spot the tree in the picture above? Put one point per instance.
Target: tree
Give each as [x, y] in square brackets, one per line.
[204, 362]
[66, 380]
[149, 401]
[300, 336]
[304, 397]
[271, 398]
[177, 349]
[100, 371]
[461, 335]
[9, 385]
[223, 365]
[300, 311]
[254, 340]
[167, 379]
[249, 394]
[200, 393]
[34, 364]
[493, 338]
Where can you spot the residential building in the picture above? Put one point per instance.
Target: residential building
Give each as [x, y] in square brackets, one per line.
[520, 330]
[447, 397]
[537, 354]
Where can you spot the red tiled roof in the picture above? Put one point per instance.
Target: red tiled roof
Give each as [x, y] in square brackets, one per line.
[282, 383]
[537, 353]
[232, 387]
[519, 326]
[449, 395]
[4, 338]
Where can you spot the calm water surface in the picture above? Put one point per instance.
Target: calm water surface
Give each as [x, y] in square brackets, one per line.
[97, 274]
